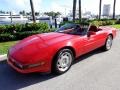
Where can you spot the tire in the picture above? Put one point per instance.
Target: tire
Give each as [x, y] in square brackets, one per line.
[63, 61]
[108, 43]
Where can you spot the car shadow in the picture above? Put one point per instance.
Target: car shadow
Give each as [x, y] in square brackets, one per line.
[85, 56]
[12, 80]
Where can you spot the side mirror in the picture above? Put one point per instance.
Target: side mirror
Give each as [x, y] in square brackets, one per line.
[90, 33]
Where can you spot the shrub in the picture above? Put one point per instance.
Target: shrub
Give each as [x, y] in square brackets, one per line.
[6, 37]
[9, 29]
[16, 36]
[103, 22]
[35, 27]
[63, 23]
[21, 35]
[2, 29]
[118, 21]
[18, 27]
[20, 31]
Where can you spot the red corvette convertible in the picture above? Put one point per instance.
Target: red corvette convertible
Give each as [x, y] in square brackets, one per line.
[55, 51]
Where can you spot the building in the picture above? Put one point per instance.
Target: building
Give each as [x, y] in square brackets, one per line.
[106, 10]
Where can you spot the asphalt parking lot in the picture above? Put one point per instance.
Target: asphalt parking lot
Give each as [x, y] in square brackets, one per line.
[97, 70]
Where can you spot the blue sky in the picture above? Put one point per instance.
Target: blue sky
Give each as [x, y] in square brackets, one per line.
[54, 5]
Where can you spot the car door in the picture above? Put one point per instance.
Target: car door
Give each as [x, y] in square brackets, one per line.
[93, 41]
[101, 38]
[89, 43]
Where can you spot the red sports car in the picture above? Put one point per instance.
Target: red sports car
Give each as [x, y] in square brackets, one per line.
[55, 51]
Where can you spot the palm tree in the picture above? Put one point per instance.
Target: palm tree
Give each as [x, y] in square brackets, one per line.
[114, 5]
[80, 18]
[33, 12]
[74, 10]
[100, 5]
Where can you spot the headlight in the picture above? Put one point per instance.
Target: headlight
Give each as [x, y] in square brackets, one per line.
[29, 66]
[17, 63]
[34, 65]
[26, 66]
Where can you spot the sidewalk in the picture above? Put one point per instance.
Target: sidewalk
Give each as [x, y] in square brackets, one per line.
[3, 57]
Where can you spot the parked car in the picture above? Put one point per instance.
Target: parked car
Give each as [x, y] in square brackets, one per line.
[55, 51]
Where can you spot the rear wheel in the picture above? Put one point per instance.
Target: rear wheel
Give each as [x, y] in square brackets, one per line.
[108, 43]
[63, 61]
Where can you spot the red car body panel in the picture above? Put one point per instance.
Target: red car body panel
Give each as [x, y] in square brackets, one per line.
[42, 48]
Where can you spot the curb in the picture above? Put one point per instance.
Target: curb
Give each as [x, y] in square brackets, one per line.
[3, 57]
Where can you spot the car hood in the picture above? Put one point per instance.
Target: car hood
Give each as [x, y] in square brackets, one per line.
[28, 50]
[32, 48]
[54, 37]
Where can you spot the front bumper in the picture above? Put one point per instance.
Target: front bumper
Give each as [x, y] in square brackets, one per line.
[40, 68]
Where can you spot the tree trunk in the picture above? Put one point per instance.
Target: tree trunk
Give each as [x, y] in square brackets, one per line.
[33, 12]
[55, 23]
[80, 17]
[114, 5]
[74, 10]
[100, 5]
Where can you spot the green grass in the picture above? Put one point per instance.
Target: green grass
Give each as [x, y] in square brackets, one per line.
[4, 46]
[116, 26]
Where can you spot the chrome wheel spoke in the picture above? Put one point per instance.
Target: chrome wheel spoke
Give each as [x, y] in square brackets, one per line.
[109, 43]
[64, 61]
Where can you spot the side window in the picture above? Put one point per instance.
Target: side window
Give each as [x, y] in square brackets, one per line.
[85, 29]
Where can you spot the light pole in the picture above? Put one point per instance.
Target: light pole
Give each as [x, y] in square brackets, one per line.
[11, 17]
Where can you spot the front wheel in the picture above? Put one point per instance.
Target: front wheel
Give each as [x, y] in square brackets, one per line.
[108, 43]
[63, 61]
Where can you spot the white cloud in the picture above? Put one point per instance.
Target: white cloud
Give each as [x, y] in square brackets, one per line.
[37, 4]
[56, 7]
[22, 4]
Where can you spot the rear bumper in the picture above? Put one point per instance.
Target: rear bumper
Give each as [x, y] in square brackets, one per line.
[41, 69]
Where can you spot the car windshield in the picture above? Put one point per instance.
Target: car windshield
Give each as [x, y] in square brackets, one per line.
[74, 29]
